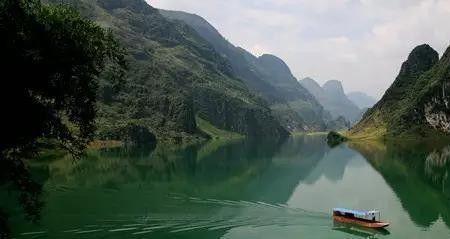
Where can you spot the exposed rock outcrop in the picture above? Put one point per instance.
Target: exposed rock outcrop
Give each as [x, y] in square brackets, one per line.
[417, 103]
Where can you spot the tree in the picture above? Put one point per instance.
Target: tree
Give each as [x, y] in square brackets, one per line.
[50, 64]
[51, 61]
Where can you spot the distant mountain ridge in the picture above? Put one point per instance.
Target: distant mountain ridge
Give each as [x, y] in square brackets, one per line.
[417, 103]
[332, 97]
[361, 99]
[267, 76]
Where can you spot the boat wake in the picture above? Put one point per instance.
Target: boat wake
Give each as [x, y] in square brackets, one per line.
[188, 214]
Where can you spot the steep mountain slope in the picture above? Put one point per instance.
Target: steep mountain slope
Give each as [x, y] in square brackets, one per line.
[277, 73]
[331, 95]
[361, 99]
[175, 75]
[267, 76]
[236, 56]
[313, 87]
[416, 104]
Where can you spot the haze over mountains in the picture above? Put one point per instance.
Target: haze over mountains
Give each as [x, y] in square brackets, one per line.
[336, 106]
[361, 99]
[270, 77]
[267, 76]
[186, 81]
[333, 98]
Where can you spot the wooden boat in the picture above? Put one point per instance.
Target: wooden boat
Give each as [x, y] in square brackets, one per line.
[369, 219]
[359, 231]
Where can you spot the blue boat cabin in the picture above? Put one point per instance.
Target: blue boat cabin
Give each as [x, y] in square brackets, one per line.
[372, 215]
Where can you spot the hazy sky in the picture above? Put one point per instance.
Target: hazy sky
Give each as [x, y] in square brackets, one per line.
[359, 42]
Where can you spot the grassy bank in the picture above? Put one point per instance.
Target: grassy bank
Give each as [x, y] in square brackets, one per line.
[382, 135]
[216, 133]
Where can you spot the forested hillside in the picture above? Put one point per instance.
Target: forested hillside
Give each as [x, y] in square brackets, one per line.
[267, 76]
[416, 104]
[175, 77]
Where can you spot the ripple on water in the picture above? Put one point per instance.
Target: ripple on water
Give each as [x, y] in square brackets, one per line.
[232, 214]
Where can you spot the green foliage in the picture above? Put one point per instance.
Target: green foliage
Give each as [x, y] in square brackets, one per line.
[51, 62]
[334, 139]
[174, 75]
[267, 76]
[214, 132]
[52, 58]
[422, 83]
[276, 72]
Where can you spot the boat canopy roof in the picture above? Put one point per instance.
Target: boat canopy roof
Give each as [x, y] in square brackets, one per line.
[355, 212]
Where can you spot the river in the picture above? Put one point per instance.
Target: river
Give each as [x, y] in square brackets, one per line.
[239, 189]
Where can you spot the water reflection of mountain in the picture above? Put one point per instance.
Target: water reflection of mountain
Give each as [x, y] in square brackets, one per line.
[238, 170]
[332, 165]
[418, 173]
[138, 182]
[293, 163]
[135, 182]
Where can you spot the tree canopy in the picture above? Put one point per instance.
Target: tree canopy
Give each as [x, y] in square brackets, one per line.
[51, 61]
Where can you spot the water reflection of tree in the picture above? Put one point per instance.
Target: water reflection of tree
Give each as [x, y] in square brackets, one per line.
[15, 176]
[52, 87]
[417, 172]
[240, 170]
[234, 170]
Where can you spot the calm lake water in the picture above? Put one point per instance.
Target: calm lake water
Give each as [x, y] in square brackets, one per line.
[240, 190]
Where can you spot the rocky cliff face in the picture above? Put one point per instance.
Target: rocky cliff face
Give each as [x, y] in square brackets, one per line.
[174, 75]
[433, 107]
[267, 76]
[241, 61]
[232, 114]
[313, 87]
[417, 103]
[334, 89]
[437, 116]
[276, 72]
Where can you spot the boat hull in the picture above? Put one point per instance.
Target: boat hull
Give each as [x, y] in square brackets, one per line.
[362, 223]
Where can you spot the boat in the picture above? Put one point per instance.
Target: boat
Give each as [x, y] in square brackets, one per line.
[359, 231]
[369, 219]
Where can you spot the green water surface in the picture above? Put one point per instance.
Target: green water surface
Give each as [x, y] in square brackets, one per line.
[240, 189]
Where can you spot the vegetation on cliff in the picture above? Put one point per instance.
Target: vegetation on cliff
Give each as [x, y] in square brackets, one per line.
[52, 61]
[53, 58]
[417, 171]
[267, 76]
[174, 75]
[416, 105]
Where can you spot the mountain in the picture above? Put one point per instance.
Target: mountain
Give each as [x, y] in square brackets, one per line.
[176, 80]
[332, 96]
[276, 72]
[361, 99]
[267, 76]
[416, 104]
